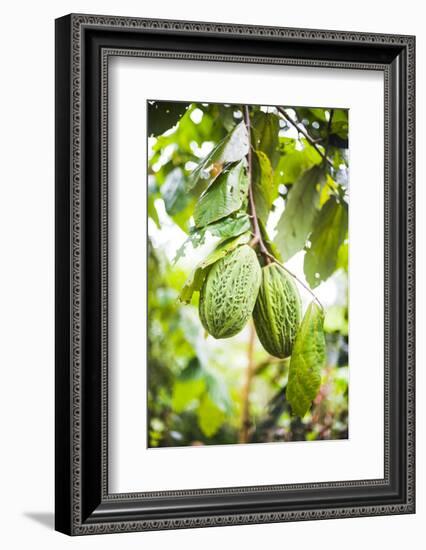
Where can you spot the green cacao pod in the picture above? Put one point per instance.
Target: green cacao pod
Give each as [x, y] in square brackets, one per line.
[229, 293]
[277, 311]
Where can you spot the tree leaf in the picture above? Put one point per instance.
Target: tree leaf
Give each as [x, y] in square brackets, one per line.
[210, 416]
[307, 361]
[343, 256]
[163, 115]
[265, 138]
[224, 196]
[328, 234]
[301, 206]
[294, 162]
[174, 192]
[196, 278]
[232, 148]
[264, 190]
[232, 226]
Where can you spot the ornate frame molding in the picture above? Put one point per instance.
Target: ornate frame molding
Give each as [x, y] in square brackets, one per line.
[72, 47]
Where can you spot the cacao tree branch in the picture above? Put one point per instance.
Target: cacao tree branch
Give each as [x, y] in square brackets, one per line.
[257, 235]
[304, 133]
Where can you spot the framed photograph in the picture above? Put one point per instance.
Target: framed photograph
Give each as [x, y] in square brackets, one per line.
[234, 274]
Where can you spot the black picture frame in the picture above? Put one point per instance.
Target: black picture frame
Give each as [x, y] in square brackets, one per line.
[83, 45]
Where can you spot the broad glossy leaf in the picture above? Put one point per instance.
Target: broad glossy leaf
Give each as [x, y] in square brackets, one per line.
[163, 115]
[264, 189]
[266, 127]
[196, 278]
[223, 197]
[328, 234]
[307, 361]
[299, 213]
[232, 148]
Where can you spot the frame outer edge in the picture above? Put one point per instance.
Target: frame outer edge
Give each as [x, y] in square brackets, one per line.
[77, 23]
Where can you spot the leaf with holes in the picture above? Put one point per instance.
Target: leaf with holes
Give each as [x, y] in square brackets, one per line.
[224, 196]
[232, 148]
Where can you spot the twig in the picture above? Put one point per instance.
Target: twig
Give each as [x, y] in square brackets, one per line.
[305, 134]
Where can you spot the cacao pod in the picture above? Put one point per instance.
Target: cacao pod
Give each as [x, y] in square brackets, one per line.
[277, 311]
[229, 293]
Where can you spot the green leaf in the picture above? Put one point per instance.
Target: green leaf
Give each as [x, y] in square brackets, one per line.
[264, 190]
[343, 256]
[266, 127]
[232, 148]
[224, 196]
[196, 278]
[210, 416]
[293, 162]
[174, 192]
[307, 361]
[163, 115]
[232, 226]
[301, 206]
[328, 234]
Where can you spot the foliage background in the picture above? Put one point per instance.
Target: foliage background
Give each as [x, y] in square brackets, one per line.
[196, 385]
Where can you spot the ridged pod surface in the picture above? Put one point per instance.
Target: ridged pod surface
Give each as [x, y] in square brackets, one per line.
[278, 311]
[229, 293]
